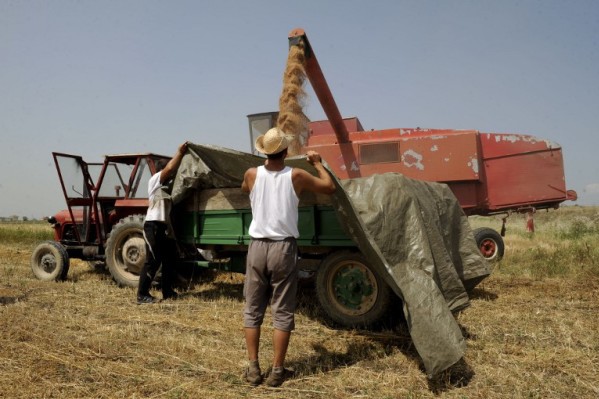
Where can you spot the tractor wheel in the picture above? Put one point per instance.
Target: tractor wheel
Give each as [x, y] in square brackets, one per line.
[50, 261]
[350, 291]
[490, 243]
[126, 250]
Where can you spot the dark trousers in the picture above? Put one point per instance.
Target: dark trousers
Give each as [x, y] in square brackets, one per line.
[160, 250]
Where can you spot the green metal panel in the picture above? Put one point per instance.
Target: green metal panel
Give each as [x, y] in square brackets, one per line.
[221, 227]
[318, 225]
[330, 231]
[306, 225]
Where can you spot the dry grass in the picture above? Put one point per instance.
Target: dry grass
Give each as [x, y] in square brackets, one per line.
[530, 334]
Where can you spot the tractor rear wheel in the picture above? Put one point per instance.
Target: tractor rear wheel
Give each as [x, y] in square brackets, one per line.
[50, 261]
[490, 243]
[350, 291]
[126, 250]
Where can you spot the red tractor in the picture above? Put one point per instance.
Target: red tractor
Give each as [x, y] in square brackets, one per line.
[106, 207]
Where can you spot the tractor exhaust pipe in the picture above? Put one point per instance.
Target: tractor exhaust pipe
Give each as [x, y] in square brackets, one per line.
[297, 37]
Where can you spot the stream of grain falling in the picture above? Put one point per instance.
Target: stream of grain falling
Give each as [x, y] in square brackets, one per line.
[291, 118]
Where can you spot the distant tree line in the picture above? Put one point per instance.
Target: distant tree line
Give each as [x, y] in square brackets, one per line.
[16, 218]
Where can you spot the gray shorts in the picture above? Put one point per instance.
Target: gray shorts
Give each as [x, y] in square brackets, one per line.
[271, 276]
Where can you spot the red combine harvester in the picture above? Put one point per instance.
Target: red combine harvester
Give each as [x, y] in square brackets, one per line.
[489, 173]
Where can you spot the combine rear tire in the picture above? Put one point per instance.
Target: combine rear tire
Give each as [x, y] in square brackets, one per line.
[350, 291]
[50, 261]
[490, 243]
[126, 250]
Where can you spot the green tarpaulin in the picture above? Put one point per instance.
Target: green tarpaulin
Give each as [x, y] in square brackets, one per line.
[413, 233]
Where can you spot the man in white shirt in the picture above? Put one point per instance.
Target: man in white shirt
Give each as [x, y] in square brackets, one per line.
[158, 246]
[271, 273]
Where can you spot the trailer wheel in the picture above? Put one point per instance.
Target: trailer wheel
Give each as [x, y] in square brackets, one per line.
[350, 291]
[490, 243]
[126, 250]
[50, 261]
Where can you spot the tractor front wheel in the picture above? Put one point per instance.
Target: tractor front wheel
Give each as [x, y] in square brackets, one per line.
[50, 261]
[126, 250]
[350, 291]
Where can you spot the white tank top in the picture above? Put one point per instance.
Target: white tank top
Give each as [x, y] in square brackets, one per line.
[274, 205]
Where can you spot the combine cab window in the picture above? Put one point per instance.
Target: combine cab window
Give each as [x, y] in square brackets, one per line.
[379, 153]
[259, 124]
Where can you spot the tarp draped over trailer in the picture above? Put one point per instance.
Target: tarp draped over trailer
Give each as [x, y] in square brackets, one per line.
[414, 234]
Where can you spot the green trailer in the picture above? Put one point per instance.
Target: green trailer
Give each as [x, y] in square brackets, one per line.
[215, 222]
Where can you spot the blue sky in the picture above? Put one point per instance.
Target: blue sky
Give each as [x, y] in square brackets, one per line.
[104, 77]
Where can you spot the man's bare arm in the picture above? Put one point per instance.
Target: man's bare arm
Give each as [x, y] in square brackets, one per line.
[305, 181]
[248, 180]
[173, 164]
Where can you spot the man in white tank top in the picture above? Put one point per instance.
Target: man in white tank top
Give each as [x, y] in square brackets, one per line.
[271, 274]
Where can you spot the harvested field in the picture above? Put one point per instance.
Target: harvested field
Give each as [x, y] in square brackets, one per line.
[532, 331]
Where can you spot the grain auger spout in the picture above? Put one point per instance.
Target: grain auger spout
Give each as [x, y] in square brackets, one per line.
[297, 37]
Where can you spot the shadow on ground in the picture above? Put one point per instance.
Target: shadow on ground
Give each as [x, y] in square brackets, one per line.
[481, 293]
[9, 296]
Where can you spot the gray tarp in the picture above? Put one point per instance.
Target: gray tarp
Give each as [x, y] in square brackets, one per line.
[413, 233]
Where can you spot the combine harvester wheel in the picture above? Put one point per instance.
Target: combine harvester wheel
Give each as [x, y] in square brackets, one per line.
[490, 243]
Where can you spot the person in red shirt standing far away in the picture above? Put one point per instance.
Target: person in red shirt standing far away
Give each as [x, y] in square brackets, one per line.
[271, 273]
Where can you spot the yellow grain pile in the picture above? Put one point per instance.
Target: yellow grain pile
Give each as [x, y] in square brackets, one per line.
[291, 116]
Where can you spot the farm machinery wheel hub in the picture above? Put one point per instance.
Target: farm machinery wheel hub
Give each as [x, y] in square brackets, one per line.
[48, 263]
[488, 248]
[133, 254]
[354, 288]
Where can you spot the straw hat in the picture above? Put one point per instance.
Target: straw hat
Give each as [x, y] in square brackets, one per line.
[273, 141]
